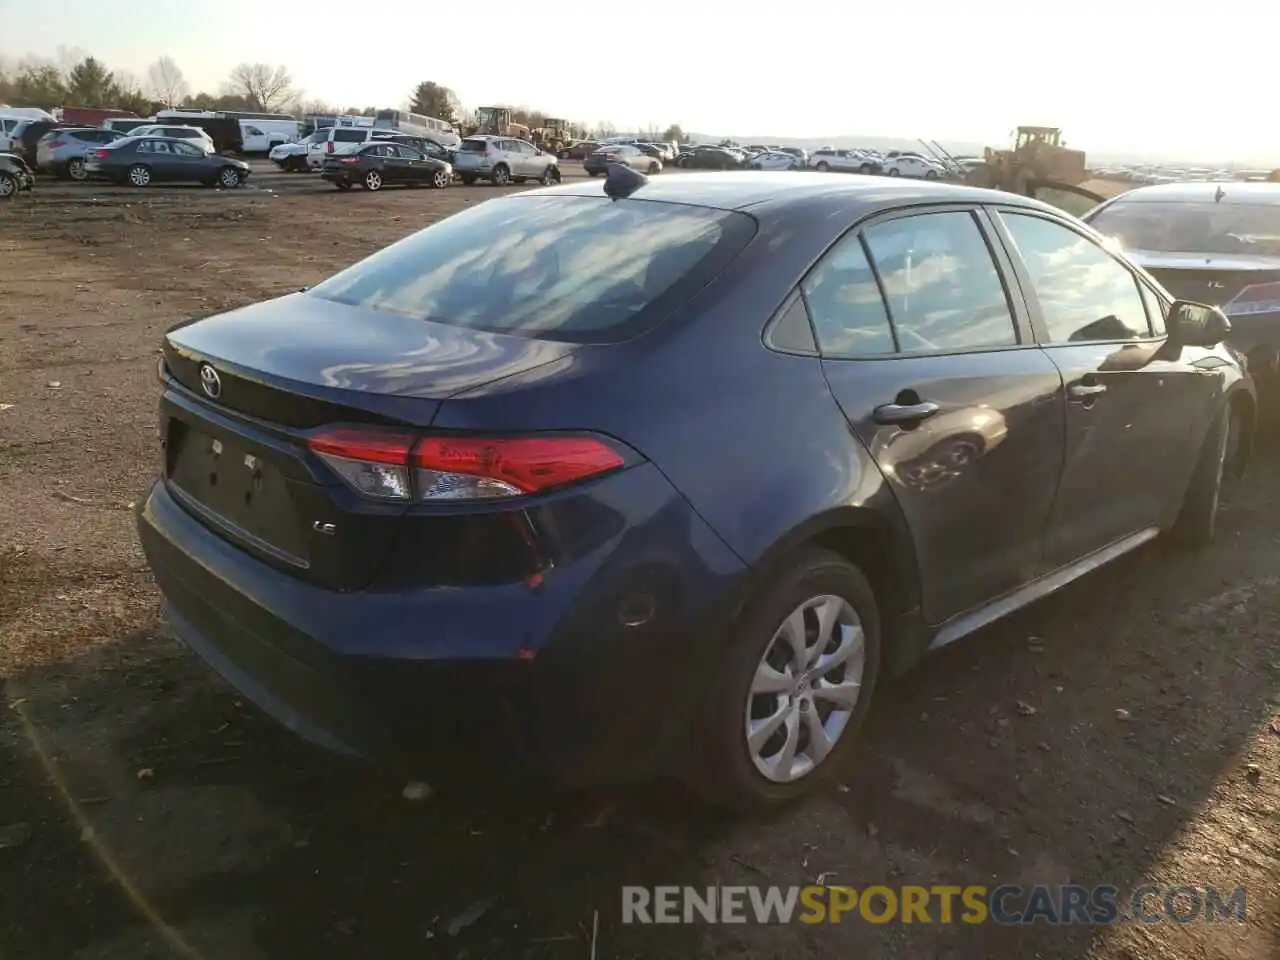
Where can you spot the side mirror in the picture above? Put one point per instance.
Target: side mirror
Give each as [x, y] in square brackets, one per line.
[1197, 324]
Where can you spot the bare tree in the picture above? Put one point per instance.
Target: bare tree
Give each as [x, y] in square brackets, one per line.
[166, 83]
[262, 85]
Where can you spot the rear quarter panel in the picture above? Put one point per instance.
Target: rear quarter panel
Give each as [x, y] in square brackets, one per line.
[752, 438]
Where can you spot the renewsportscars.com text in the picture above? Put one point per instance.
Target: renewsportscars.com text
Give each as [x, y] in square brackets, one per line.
[1005, 904]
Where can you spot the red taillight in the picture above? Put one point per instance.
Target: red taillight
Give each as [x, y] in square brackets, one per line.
[102, 154]
[351, 160]
[389, 465]
[54, 144]
[328, 147]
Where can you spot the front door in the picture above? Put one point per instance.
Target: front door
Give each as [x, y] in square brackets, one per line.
[932, 361]
[1130, 405]
[188, 161]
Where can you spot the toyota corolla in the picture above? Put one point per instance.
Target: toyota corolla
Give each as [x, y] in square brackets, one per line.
[670, 477]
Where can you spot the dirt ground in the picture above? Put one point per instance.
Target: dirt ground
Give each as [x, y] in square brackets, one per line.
[1105, 736]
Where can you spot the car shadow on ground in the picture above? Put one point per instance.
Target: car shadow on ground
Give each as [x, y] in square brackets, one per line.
[1076, 742]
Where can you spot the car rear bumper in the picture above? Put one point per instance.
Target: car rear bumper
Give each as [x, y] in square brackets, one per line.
[542, 680]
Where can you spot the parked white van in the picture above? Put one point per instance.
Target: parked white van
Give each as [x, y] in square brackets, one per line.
[10, 117]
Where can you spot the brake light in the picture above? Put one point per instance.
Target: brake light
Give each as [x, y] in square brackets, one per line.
[54, 144]
[328, 147]
[102, 154]
[390, 465]
[351, 160]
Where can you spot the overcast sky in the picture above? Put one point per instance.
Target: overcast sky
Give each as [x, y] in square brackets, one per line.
[1189, 79]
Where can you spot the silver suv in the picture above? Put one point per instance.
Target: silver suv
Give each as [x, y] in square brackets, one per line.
[503, 160]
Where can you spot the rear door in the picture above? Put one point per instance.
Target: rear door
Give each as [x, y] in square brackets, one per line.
[1131, 405]
[160, 159]
[930, 355]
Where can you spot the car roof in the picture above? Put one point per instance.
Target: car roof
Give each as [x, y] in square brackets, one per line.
[1203, 191]
[738, 190]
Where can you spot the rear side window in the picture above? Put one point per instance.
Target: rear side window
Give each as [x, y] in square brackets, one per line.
[941, 284]
[474, 146]
[579, 269]
[849, 317]
[348, 136]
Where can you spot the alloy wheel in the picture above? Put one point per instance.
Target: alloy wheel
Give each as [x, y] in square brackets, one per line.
[373, 180]
[805, 688]
[75, 169]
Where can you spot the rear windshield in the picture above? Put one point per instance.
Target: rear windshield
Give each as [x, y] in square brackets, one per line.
[1192, 227]
[349, 136]
[580, 269]
[475, 146]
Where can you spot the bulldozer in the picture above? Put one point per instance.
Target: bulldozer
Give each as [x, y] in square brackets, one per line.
[1038, 156]
[555, 135]
[497, 122]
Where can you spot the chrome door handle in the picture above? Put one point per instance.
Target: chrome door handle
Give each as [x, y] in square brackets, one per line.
[900, 413]
[1079, 390]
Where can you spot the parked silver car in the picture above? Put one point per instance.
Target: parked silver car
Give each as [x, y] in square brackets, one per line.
[503, 160]
[63, 152]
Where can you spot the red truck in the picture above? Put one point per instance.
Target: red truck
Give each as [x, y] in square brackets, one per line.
[91, 116]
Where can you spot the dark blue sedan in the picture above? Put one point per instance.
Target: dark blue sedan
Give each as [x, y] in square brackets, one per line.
[592, 486]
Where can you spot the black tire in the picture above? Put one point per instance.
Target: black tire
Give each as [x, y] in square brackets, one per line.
[593, 173]
[893, 172]
[373, 181]
[8, 186]
[653, 169]
[1197, 522]
[931, 174]
[501, 175]
[865, 168]
[723, 771]
[440, 179]
[550, 176]
[139, 175]
[76, 169]
[822, 166]
[229, 178]
[468, 180]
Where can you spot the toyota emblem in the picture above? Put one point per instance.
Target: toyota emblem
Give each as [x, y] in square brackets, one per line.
[210, 382]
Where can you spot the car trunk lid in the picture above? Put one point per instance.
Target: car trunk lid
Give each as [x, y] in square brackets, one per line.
[1241, 285]
[250, 388]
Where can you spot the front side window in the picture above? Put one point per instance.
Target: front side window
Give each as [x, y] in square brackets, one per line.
[1084, 292]
[941, 283]
[1157, 309]
[581, 269]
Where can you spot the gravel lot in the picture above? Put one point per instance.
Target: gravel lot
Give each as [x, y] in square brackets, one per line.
[1104, 736]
